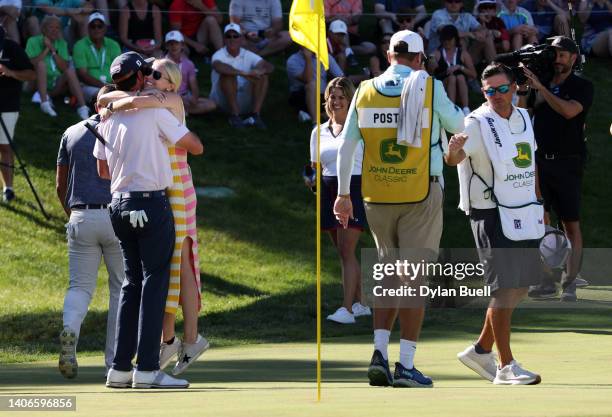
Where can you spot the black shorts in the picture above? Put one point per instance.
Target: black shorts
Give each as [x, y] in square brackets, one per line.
[329, 192]
[507, 264]
[561, 185]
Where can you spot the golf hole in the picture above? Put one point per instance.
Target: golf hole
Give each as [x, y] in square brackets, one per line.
[215, 192]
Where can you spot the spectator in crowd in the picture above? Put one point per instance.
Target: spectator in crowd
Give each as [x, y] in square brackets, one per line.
[301, 69]
[9, 15]
[379, 62]
[15, 68]
[93, 55]
[519, 23]
[239, 80]
[73, 13]
[486, 13]
[199, 21]
[549, 18]
[48, 53]
[262, 23]
[406, 19]
[387, 10]
[85, 198]
[188, 89]
[467, 25]
[597, 18]
[338, 96]
[453, 66]
[140, 28]
[337, 44]
[349, 12]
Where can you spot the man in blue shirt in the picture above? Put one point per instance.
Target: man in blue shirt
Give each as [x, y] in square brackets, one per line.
[548, 17]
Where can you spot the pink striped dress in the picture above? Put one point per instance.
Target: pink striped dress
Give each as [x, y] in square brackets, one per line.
[183, 201]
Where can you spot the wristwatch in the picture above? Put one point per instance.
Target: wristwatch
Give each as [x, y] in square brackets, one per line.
[109, 107]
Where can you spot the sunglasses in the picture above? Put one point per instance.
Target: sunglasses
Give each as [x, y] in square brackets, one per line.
[406, 19]
[502, 89]
[97, 26]
[233, 36]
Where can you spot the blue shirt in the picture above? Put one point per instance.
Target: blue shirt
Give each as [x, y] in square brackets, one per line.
[296, 65]
[445, 112]
[76, 150]
[520, 16]
[464, 22]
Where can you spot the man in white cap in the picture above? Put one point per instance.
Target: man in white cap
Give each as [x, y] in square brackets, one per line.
[403, 206]
[239, 80]
[93, 56]
[339, 45]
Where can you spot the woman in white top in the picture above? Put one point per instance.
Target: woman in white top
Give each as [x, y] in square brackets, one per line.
[338, 95]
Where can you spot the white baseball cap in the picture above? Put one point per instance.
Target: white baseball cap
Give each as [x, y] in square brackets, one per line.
[338, 26]
[96, 16]
[555, 248]
[174, 35]
[412, 40]
[233, 26]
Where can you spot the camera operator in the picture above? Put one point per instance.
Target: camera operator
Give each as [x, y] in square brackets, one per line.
[560, 111]
[15, 67]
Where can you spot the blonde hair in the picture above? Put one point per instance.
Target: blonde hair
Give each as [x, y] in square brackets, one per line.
[173, 71]
[345, 85]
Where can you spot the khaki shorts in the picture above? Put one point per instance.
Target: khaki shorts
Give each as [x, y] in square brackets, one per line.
[407, 226]
[10, 120]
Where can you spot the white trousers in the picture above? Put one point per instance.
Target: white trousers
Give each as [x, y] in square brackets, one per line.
[91, 237]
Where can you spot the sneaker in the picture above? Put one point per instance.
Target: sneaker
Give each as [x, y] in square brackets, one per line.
[342, 316]
[569, 293]
[8, 195]
[35, 97]
[514, 374]
[83, 112]
[258, 122]
[379, 373]
[483, 364]
[410, 378]
[119, 379]
[581, 282]
[68, 365]
[168, 351]
[47, 108]
[361, 310]
[236, 122]
[190, 352]
[304, 116]
[157, 379]
[542, 291]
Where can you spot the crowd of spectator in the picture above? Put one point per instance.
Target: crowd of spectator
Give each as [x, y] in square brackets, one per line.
[71, 44]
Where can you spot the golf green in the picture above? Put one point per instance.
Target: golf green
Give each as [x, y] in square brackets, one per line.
[279, 380]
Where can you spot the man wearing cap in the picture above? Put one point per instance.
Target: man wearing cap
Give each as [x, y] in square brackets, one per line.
[339, 46]
[401, 187]
[239, 80]
[93, 55]
[349, 12]
[15, 68]
[136, 161]
[559, 117]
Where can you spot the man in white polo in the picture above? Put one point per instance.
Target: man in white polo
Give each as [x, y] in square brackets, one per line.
[136, 160]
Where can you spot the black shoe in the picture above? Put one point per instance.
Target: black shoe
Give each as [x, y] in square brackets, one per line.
[236, 122]
[542, 291]
[8, 195]
[379, 373]
[410, 378]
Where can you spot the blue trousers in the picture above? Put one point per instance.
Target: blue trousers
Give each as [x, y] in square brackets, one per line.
[147, 252]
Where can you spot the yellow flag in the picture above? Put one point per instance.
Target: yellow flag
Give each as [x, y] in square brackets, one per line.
[307, 27]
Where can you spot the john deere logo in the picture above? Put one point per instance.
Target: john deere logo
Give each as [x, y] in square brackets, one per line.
[523, 158]
[391, 152]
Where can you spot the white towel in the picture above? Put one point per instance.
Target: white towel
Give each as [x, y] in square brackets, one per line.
[412, 112]
[464, 172]
[495, 133]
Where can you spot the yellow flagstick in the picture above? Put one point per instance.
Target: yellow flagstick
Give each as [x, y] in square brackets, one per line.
[318, 107]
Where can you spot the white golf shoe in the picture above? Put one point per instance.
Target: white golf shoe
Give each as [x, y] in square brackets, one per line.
[483, 364]
[119, 379]
[514, 374]
[157, 379]
[360, 310]
[342, 316]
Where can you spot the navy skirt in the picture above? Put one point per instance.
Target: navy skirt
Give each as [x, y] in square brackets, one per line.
[329, 192]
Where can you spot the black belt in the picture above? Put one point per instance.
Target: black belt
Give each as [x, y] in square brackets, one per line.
[89, 206]
[433, 178]
[140, 194]
[554, 155]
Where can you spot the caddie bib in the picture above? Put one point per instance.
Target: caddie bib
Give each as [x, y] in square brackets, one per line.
[392, 173]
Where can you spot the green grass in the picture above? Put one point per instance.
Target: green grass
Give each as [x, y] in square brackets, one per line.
[257, 249]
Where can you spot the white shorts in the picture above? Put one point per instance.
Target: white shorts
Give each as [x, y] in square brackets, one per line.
[10, 120]
[245, 100]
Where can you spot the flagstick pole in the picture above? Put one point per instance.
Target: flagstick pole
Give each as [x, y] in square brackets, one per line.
[318, 111]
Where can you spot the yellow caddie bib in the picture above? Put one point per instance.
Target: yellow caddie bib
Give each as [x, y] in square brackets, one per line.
[392, 173]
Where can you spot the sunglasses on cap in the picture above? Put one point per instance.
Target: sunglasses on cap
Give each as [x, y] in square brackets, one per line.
[502, 89]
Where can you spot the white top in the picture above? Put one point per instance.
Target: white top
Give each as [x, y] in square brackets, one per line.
[255, 14]
[329, 151]
[137, 154]
[474, 148]
[245, 61]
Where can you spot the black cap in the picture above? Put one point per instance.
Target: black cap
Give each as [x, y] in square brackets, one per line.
[127, 64]
[565, 43]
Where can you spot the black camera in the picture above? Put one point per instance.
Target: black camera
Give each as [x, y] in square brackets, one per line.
[539, 59]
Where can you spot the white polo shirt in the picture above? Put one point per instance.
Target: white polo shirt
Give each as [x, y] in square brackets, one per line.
[329, 151]
[138, 157]
[245, 61]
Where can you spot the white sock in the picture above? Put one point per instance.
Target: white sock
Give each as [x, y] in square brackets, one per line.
[7, 188]
[407, 351]
[381, 341]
